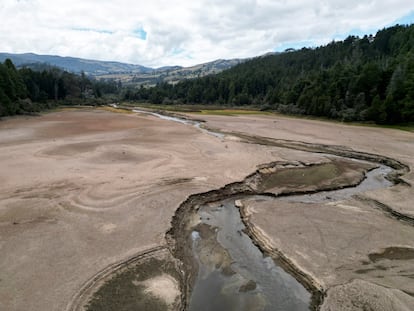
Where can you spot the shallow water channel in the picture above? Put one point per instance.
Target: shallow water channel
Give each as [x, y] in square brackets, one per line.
[234, 274]
[196, 124]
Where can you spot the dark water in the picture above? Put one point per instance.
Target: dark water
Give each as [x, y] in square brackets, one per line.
[254, 283]
[233, 274]
[245, 280]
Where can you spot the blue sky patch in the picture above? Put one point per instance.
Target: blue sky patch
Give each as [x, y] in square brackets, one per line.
[405, 20]
[140, 33]
[294, 45]
[357, 33]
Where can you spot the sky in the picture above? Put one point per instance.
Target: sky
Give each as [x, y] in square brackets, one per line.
[157, 33]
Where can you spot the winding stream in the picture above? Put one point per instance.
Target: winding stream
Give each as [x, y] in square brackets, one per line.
[197, 124]
[233, 274]
[242, 278]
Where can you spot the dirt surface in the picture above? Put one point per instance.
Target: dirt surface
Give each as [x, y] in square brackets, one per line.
[332, 174]
[360, 295]
[150, 283]
[338, 242]
[357, 251]
[84, 191]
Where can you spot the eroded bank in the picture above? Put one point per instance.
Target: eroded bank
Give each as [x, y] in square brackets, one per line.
[268, 180]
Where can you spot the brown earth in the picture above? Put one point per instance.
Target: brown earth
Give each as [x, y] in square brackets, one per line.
[81, 191]
[148, 283]
[357, 251]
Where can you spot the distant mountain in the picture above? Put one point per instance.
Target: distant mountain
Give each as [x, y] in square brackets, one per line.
[357, 79]
[175, 74]
[126, 73]
[75, 65]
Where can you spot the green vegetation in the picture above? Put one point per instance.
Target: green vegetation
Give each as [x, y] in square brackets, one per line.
[25, 90]
[358, 79]
[232, 112]
[202, 109]
[369, 79]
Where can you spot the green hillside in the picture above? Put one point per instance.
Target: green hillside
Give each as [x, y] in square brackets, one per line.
[25, 91]
[357, 79]
[127, 74]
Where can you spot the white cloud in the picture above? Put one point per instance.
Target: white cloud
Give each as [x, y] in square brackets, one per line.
[183, 32]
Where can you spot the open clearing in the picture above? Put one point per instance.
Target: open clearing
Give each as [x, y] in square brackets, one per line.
[82, 190]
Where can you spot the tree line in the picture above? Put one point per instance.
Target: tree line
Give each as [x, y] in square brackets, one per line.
[27, 90]
[357, 79]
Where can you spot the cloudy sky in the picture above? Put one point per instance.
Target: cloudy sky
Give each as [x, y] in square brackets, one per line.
[186, 32]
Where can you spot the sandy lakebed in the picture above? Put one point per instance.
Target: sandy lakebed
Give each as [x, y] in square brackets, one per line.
[97, 208]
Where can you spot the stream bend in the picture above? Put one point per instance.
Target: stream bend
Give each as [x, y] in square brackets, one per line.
[208, 235]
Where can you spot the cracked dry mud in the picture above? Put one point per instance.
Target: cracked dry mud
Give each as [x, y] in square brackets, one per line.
[86, 198]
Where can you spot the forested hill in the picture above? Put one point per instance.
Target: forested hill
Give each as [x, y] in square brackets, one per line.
[369, 78]
[26, 91]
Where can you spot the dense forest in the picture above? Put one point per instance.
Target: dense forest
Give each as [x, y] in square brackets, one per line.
[29, 90]
[357, 79]
[362, 79]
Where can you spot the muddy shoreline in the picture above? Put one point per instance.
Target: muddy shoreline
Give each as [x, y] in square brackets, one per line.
[316, 289]
[81, 298]
[88, 195]
[178, 238]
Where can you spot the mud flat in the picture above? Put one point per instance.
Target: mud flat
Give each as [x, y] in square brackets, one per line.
[84, 195]
[274, 180]
[84, 190]
[150, 282]
[358, 250]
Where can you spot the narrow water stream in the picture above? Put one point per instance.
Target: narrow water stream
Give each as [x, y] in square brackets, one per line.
[233, 273]
[197, 124]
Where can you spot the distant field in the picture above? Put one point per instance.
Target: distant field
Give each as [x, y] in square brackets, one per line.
[207, 110]
[117, 110]
[230, 112]
[402, 127]
[249, 110]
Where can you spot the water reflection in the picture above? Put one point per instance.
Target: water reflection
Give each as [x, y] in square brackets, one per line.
[233, 274]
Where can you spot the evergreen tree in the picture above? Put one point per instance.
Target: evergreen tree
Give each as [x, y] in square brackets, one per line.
[369, 78]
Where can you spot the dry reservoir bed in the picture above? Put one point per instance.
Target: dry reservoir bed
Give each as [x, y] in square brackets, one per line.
[84, 194]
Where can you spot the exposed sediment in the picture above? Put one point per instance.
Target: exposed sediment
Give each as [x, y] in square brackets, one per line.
[320, 148]
[90, 287]
[388, 210]
[178, 235]
[261, 241]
